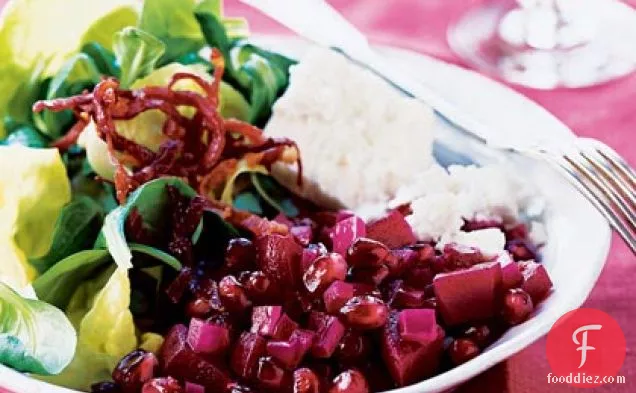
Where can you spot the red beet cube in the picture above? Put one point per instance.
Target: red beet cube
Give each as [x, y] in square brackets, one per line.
[290, 353]
[265, 319]
[409, 361]
[469, 295]
[511, 276]
[284, 328]
[180, 361]
[329, 330]
[344, 233]
[392, 230]
[208, 338]
[419, 325]
[247, 350]
[271, 376]
[536, 280]
[279, 256]
[303, 234]
[338, 293]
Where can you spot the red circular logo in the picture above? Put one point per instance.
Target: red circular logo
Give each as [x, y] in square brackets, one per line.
[585, 348]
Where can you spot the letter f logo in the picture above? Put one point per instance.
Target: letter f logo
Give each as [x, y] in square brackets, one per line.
[583, 344]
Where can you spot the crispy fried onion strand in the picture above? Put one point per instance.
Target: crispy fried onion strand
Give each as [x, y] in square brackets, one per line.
[195, 146]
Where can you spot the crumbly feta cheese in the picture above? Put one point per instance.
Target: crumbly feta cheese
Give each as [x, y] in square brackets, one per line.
[490, 241]
[434, 215]
[359, 138]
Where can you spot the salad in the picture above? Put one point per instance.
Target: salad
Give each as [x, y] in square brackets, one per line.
[156, 239]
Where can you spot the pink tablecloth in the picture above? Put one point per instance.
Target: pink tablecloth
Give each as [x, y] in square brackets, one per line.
[607, 113]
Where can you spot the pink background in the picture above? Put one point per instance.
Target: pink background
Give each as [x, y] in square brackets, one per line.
[607, 113]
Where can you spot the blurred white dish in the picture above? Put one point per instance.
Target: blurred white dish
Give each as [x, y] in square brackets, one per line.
[578, 237]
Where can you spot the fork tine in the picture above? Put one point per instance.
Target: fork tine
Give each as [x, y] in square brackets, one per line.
[622, 167]
[600, 203]
[583, 165]
[608, 172]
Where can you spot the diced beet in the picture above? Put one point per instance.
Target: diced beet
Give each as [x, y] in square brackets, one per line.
[178, 286]
[208, 338]
[240, 255]
[304, 338]
[247, 350]
[419, 325]
[278, 256]
[283, 219]
[392, 230]
[233, 295]
[265, 319]
[372, 276]
[419, 276]
[329, 331]
[536, 280]
[345, 232]
[408, 361]
[193, 388]
[469, 295]
[180, 361]
[522, 250]
[303, 234]
[338, 293]
[366, 253]
[511, 276]
[270, 375]
[401, 296]
[284, 328]
[517, 232]
[310, 253]
[286, 353]
[457, 256]
[323, 271]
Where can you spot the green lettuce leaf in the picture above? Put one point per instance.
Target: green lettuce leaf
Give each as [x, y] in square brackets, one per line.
[77, 74]
[34, 336]
[150, 201]
[100, 312]
[137, 53]
[76, 229]
[32, 195]
[102, 31]
[36, 33]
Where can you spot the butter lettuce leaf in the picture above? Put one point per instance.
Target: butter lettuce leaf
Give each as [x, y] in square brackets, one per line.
[34, 336]
[44, 32]
[100, 312]
[33, 192]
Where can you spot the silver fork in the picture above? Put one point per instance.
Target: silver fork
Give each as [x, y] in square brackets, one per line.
[605, 179]
[596, 170]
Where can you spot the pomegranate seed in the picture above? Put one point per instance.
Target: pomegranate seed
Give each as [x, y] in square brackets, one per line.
[323, 271]
[366, 253]
[162, 385]
[354, 347]
[105, 387]
[134, 369]
[350, 381]
[462, 350]
[481, 335]
[269, 374]
[258, 286]
[365, 312]
[232, 294]
[373, 276]
[240, 254]
[305, 381]
[198, 308]
[235, 387]
[517, 306]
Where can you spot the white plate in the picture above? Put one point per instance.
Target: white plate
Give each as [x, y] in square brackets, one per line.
[579, 237]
